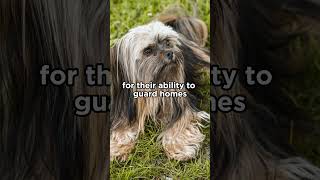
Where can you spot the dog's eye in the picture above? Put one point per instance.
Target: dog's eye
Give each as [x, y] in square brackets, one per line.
[147, 51]
[168, 43]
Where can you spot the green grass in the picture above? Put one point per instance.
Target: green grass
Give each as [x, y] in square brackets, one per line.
[148, 161]
[130, 13]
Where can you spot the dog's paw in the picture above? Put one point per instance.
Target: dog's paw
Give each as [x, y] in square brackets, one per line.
[121, 144]
[120, 152]
[181, 152]
[183, 145]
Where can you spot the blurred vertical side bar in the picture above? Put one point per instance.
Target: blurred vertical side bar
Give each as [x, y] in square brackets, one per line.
[212, 122]
[107, 41]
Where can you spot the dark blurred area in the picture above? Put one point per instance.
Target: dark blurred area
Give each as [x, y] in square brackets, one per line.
[277, 137]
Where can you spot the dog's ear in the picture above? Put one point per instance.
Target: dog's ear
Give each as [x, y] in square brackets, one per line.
[193, 53]
[122, 102]
[196, 63]
[192, 28]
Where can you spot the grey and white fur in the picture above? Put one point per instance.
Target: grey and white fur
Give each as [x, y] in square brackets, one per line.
[157, 53]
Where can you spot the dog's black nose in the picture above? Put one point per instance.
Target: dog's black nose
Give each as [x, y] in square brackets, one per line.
[169, 55]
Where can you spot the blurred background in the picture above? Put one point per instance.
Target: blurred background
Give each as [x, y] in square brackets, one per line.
[303, 89]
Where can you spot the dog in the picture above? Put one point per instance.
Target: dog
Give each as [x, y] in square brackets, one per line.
[168, 49]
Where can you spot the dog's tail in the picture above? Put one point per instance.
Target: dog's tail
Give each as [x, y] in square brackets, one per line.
[191, 27]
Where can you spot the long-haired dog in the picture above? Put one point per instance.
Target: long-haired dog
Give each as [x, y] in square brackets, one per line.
[167, 51]
[254, 145]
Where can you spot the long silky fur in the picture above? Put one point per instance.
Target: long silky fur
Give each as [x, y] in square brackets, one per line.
[127, 111]
[40, 137]
[124, 105]
[194, 35]
[257, 33]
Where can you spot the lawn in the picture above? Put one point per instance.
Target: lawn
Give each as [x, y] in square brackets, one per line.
[148, 160]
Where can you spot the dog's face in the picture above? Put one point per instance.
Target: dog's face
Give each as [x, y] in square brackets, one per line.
[150, 53]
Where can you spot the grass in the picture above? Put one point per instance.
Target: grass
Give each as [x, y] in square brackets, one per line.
[148, 161]
[130, 13]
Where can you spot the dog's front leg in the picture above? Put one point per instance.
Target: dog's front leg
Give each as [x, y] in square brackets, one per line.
[122, 141]
[182, 140]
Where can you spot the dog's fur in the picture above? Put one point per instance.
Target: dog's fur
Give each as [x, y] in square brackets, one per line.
[40, 137]
[182, 137]
[257, 33]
